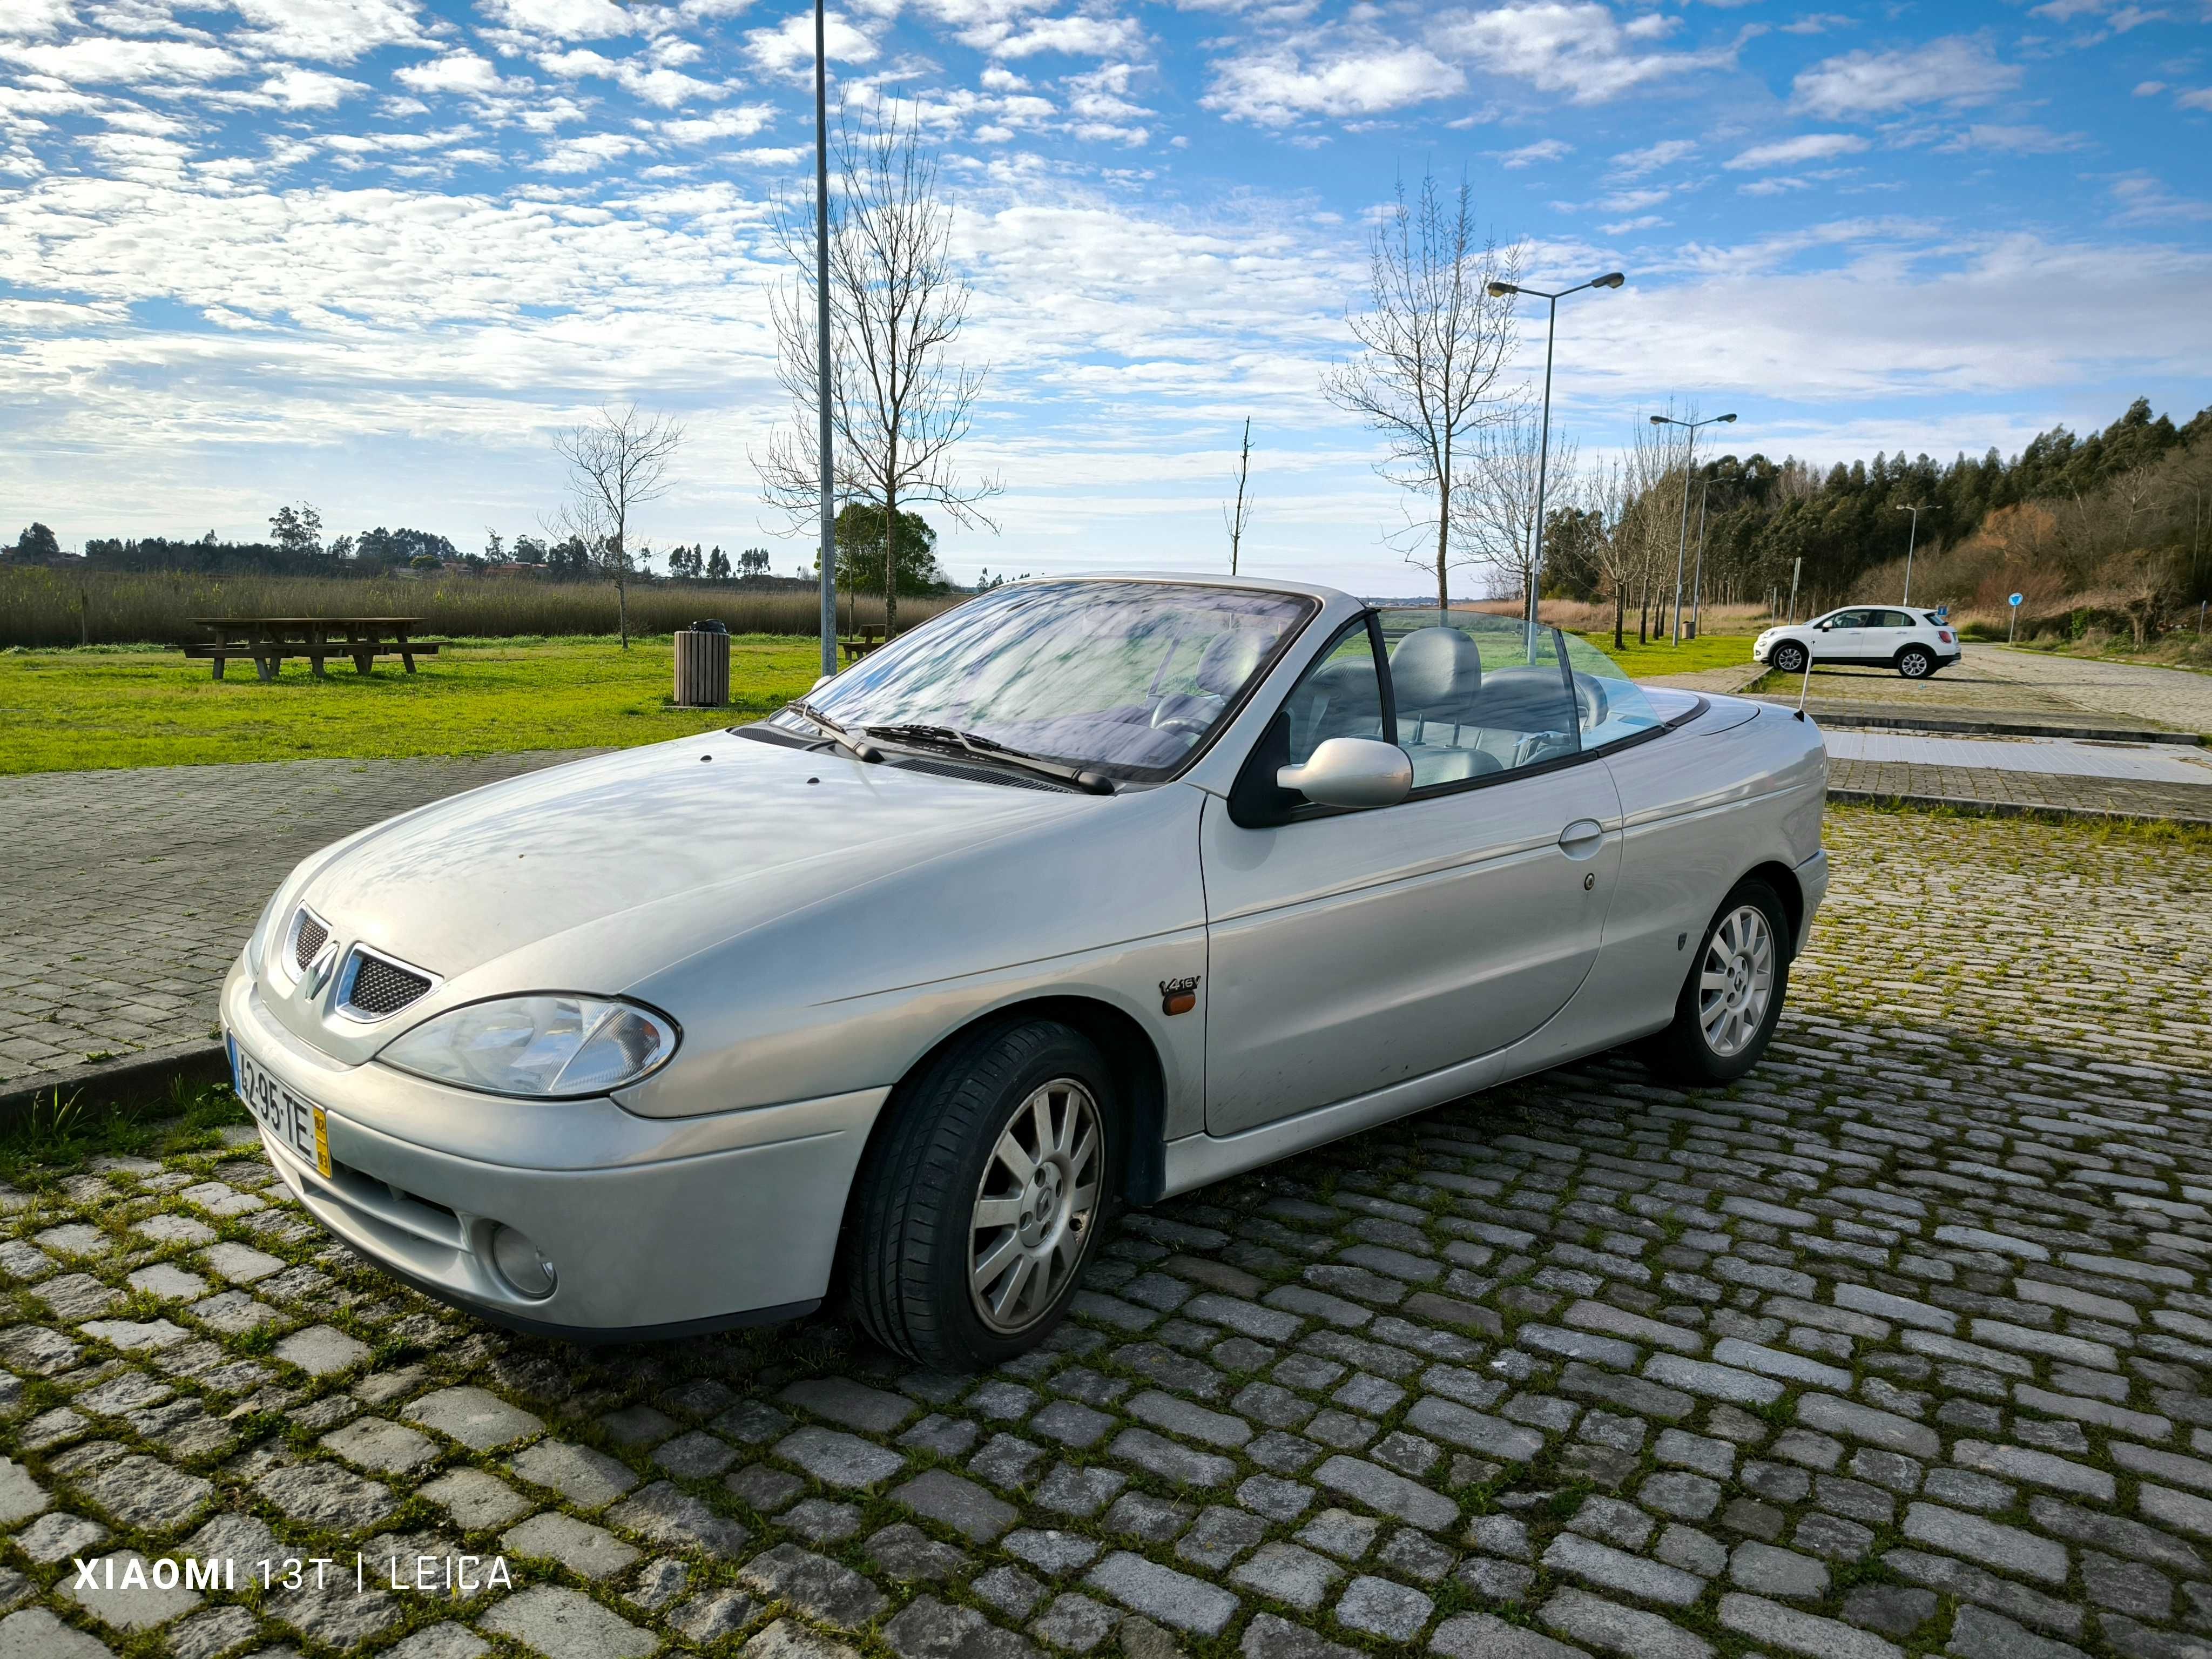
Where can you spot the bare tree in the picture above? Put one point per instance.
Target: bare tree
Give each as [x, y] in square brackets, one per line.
[1433, 343]
[1494, 499]
[1238, 516]
[898, 404]
[617, 461]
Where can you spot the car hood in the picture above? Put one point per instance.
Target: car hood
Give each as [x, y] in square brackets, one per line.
[587, 875]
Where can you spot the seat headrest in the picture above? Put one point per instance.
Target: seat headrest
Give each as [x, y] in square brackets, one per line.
[1228, 662]
[1436, 672]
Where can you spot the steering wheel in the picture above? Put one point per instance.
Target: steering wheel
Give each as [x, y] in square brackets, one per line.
[1186, 715]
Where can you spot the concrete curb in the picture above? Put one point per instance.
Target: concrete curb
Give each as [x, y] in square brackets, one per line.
[1965, 724]
[199, 1061]
[2005, 808]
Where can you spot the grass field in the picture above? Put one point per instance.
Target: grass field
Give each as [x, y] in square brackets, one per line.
[72, 710]
[1646, 661]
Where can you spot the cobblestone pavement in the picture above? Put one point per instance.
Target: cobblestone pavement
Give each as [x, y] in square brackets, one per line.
[126, 892]
[2174, 696]
[1862, 781]
[1992, 680]
[1902, 1344]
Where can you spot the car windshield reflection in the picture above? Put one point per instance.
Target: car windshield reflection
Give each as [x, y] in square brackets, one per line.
[1130, 678]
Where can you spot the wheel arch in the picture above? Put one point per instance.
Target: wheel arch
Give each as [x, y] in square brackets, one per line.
[1784, 880]
[1140, 1079]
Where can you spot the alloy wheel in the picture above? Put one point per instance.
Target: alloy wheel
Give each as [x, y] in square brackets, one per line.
[1735, 982]
[1036, 1205]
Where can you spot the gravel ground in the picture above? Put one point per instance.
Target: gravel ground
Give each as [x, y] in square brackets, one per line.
[1902, 1344]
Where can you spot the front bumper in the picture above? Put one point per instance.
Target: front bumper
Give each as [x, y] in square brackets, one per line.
[655, 1226]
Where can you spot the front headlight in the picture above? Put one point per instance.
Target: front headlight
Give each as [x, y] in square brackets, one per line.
[550, 1047]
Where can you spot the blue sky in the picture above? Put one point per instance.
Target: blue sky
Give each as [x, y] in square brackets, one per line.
[372, 253]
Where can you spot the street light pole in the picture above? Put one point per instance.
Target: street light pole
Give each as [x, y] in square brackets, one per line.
[1682, 548]
[1499, 290]
[1911, 541]
[1698, 581]
[821, 342]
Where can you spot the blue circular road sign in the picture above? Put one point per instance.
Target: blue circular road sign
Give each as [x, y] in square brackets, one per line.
[2014, 600]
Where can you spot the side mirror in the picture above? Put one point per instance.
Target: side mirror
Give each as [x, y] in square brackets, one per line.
[1352, 772]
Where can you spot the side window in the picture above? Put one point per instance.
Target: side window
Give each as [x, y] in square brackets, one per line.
[1473, 699]
[1340, 696]
[1896, 619]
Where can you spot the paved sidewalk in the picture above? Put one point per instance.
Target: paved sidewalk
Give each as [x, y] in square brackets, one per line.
[126, 893]
[2139, 763]
[2174, 696]
[1988, 789]
[1901, 1346]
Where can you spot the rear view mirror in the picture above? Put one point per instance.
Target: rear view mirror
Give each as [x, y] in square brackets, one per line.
[1352, 772]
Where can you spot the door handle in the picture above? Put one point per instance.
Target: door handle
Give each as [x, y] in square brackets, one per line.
[1582, 838]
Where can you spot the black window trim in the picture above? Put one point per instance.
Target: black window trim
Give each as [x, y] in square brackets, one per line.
[1371, 618]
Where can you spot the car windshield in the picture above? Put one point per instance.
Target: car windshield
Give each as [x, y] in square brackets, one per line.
[1128, 677]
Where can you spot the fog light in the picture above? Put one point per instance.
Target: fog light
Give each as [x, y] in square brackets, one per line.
[521, 1263]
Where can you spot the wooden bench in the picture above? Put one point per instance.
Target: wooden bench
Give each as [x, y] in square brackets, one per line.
[872, 639]
[266, 641]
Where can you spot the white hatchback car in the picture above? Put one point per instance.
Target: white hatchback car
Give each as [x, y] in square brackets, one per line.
[1916, 643]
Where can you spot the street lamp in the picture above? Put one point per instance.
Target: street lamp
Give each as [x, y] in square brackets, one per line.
[1682, 550]
[1498, 291]
[821, 342]
[1913, 541]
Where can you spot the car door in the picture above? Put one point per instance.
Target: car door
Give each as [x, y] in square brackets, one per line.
[1842, 638]
[1350, 951]
[1889, 633]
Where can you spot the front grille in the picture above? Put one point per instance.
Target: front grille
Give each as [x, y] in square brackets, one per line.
[381, 988]
[308, 939]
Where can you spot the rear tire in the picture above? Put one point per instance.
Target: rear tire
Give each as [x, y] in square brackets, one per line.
[1732, 998]
[1916, 662]
[981, 1201]
[1788, 658]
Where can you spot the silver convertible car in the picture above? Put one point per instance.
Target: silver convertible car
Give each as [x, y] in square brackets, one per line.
[1087, 892]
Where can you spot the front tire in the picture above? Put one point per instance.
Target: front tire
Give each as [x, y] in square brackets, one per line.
[983, 1200]
[1916, 662]
[1788, 658]
[1732, 998]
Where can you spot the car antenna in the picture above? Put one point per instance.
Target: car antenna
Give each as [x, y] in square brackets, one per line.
[1808, 685]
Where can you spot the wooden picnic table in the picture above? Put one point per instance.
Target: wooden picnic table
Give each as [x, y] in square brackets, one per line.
[872, 639]
[267, 641]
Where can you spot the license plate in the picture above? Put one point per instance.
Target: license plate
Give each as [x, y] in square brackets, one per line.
[296, 1122]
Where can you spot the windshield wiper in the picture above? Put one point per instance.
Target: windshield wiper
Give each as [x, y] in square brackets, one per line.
[943, 737]
[837, 734]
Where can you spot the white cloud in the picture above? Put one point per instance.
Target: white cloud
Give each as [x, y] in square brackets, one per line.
[2144, 198]
[1636, 163]
[589, 152]
[2016, 140]
[1080, 36]
[29, 17]
[99, 58]
[741, 122]
[1544, 149]
[457, 71]
[328, 31]
[1571, 46]
[1954, 70]
[566, 20]
[790, 44]
[1793, 152]
[304, 89]
[1276, 86]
